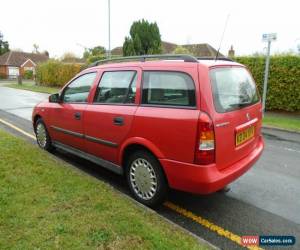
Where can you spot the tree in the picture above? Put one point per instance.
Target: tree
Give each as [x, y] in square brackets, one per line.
[69, 57]
[128, 47]
[181, 50]
[94, 54]
[4, 46]
[144, 39]
[95, 51]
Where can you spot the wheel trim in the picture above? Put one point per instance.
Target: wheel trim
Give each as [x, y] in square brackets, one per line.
[143, 179]
[41, 135]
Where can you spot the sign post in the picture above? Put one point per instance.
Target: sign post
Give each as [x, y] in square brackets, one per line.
[267, 38]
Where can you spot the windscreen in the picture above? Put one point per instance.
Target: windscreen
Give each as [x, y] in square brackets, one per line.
[233, 88]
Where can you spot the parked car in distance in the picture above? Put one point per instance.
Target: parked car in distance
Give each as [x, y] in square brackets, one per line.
[188, 124]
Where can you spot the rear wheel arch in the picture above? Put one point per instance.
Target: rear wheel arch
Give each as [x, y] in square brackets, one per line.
[134, 147]
[135, 144]
[145, 176]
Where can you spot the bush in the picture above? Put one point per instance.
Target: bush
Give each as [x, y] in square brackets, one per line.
[284, 80]
[28, 74]
[56, 74]
[92, 59]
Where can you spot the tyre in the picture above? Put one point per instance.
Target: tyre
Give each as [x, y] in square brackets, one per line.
[42, 136]
[146, 179]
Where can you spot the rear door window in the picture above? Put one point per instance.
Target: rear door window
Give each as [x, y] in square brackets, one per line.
[117, 87]
[233, 88]
[168, 89]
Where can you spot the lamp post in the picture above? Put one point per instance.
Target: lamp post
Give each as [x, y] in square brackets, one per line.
[298, 45]
[109, 53]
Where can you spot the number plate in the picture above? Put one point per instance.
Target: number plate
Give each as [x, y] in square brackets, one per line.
[244, 135]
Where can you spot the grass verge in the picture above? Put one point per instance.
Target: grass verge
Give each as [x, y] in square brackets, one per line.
[34, 88]
[46, 204]
[284, 122]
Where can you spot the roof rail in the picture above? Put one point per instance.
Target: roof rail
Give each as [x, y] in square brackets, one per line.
[143, 58]
[213, 58]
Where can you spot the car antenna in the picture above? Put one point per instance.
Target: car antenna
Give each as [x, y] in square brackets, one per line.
[225, 26]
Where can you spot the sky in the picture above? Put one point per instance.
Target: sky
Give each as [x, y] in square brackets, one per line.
[60, 26]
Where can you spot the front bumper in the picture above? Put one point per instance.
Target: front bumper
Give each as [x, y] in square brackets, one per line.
[207, 178]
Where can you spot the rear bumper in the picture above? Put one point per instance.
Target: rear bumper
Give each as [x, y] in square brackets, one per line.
[207, 179]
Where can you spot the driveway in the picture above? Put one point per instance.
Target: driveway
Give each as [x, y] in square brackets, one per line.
[264, 201]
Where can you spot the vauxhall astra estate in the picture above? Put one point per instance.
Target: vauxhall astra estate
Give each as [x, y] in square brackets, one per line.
[170, 122]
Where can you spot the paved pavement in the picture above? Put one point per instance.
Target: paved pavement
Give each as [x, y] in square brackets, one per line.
[264, 201]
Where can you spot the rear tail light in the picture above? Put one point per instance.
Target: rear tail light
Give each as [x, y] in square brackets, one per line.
[205, 145]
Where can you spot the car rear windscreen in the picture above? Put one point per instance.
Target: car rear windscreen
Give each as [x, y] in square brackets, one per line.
[233, 88]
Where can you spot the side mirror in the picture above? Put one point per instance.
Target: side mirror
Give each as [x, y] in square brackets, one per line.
[55, 98]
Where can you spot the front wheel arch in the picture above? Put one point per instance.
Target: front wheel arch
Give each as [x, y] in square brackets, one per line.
[35, 119]
[48, 146]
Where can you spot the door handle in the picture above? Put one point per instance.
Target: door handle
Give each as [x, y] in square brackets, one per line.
[77, 115]
[119, 121]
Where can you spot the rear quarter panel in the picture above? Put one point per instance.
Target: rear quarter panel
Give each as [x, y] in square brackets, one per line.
[172, 131]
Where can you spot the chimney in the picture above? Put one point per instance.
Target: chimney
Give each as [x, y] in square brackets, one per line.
[231, 52]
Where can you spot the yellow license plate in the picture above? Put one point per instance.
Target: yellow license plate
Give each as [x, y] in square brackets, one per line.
[244, 135]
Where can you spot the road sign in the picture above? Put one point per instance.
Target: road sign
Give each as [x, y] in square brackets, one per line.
[269, 37]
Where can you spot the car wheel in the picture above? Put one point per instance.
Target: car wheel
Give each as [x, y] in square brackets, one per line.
[146, 179]
[42, 136]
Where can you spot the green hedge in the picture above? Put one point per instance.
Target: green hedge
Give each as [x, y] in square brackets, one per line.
[284, 80]
[283, 87]
[55, 74]
[28, 74]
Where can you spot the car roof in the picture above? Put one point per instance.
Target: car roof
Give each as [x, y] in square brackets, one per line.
[166, 63]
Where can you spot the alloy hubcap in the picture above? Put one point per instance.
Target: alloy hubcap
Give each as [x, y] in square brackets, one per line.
[143, 178]
[41, 135]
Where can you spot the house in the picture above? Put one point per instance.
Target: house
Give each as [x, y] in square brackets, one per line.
[15, 63]
[197, 50]
[117, 51]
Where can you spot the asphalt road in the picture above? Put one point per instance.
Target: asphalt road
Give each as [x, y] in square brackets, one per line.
[264, 201]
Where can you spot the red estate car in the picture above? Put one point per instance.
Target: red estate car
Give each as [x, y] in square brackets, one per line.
[178, 121]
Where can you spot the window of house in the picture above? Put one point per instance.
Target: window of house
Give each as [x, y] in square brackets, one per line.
[117, 87]
[79, 89]
[168, 88]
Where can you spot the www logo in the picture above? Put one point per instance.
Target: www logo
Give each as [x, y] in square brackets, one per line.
[250, 240]
[268, 240]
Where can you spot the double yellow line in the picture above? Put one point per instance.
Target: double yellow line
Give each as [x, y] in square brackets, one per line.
[196, 218]
[17, 129]
[209, 225]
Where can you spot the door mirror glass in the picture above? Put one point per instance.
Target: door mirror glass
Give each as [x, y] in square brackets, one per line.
[54, 98]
